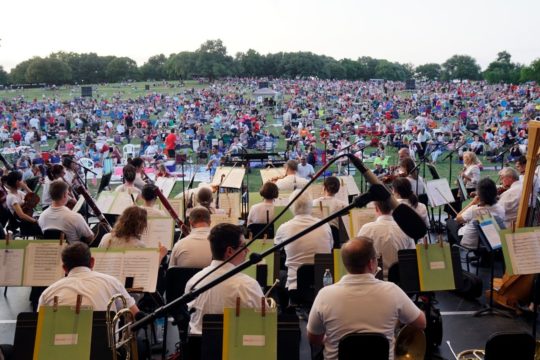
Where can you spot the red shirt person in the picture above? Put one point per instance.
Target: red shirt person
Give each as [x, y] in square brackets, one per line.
[170, 144]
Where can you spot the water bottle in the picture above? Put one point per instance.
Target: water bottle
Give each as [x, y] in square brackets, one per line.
[160, 328]
[327, 278]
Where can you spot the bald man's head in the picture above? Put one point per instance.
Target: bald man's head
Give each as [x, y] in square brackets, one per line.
[404, 153]
[357, 253]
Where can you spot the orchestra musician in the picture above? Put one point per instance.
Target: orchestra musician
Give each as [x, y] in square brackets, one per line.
[128, 230]
[149, 196]
[54, 172]
[291, 181]
[129, 174]
[484, 201]
[509, 199]
[57, 216]
[471, 170]
[205, 199]
[331, 187]
[263, 212]
[404, 193]
[194, 250]
[138, 164]
[15, 201]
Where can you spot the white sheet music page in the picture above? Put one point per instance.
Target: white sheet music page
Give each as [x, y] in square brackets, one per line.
[142, 265]
[109, 261]
[159, 230]
[11, 267]
[43, 264]
[524, 249]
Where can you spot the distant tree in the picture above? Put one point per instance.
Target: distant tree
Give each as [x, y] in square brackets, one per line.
[461, 67]
[122, 69]
[391, 71]
[250, 64]
[502, 70]
[49, 70]
[334, 69]
[154, 68]
[531, 72]
[368, 66]
[353, 69]
[18, 73]
[212, 60]
[181, 66]
[429, 71]
[4, 80]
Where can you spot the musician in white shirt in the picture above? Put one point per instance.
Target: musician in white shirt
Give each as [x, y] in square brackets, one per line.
[291, 181]
[331, 187]
[471, 170]
[194, 250]
[509, 199]
[263, 213]
[149, 196]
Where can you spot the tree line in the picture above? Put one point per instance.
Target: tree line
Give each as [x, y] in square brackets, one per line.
[211, 61]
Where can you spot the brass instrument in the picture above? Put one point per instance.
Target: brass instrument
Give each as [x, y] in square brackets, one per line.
[410, 344]
[120, 335]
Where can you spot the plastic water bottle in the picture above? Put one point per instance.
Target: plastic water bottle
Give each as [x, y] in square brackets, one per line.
[160, 328]
[327, 278]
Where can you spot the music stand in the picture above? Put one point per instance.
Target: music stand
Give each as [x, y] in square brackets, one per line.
[104, 183]
[462, 189]
[489, 309]
[25, 335]
[433, 171]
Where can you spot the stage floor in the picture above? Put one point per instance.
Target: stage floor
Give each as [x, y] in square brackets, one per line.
[461, 328]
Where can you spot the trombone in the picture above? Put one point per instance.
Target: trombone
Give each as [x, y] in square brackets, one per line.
[120, 335]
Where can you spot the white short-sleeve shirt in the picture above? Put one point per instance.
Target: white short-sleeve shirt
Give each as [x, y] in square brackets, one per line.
[359, 303]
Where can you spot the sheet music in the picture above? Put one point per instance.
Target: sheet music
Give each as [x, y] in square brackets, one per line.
[524, 249]
[166, 185]
[270, 173]
[159, 230]
[177, 205]
[43, 264]
[230, 202]
[233, 177]
[108, 261]
[359, 217]
[216, 219]
[350, 184]
[11, 267]
[439, 192]
[122, 201]
[79, 204]
[143, 266]
[316, 191]
[343, 194]
[491, 232]
[105, 201]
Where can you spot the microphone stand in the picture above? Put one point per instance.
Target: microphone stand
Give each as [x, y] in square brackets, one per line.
[450, 156]
[254, 258]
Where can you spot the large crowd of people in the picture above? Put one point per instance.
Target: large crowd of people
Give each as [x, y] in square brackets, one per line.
[313, 120]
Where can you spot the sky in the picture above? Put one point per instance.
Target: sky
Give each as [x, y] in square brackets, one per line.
[406, 31]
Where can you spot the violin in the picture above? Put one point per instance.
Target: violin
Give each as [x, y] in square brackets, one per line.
[502, 189]
[31, 200]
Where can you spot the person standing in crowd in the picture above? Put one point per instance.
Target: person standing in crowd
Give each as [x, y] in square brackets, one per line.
[305, 170]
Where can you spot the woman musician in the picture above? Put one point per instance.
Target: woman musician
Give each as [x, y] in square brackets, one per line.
[15, 202]
[138, 164]
[54, 172]
[471, 170]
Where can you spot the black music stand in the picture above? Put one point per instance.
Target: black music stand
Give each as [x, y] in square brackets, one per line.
[409, 281]
[433, 171]
[105, 181]
[489, 309]
[25, 335]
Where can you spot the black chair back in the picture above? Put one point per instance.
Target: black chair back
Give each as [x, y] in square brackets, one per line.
[393, 273]
[256, 228]
[305, 285]
[52, 234]
[175, 284]
[372, 346]
[507, 345]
